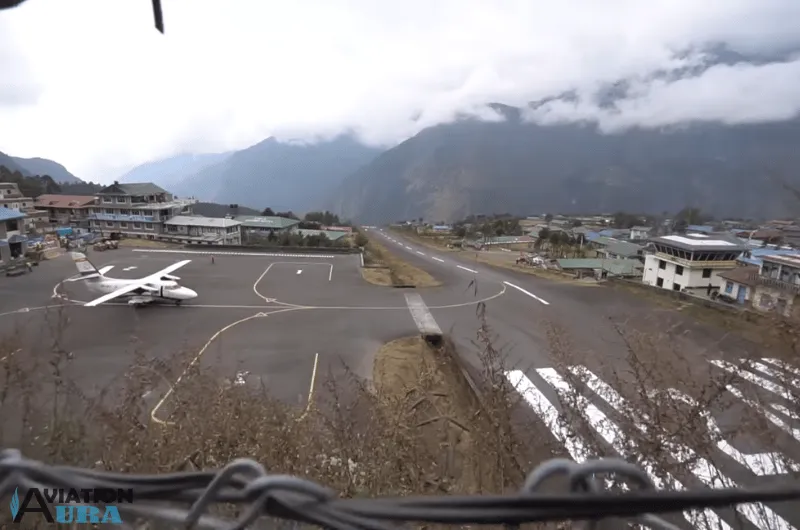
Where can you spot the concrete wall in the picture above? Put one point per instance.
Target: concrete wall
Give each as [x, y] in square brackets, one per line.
[734, 289]
[691, 277]
[767, 299]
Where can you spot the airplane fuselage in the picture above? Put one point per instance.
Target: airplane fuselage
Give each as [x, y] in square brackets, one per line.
[166, 290]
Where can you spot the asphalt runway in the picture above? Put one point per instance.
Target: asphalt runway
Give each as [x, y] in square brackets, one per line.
[281, 319]
[566, 352]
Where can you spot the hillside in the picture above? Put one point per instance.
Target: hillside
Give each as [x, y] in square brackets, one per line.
[43, 166]
[11, 165]
[29, 186]
[283, 176]
[168, 172]
[471, 167]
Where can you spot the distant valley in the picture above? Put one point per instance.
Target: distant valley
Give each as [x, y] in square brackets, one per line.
[450, 171]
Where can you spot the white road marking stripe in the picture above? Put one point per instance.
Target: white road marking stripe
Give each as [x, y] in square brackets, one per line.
[547, 412]
[783, 365]
[794, 432]
[760, 464]
[257, 254]
[420, 253]
[299, 271]
[437, 259]
[753, 378]
[409, 248]
[520, 289]
[466, 269]
[702, 468]
[777, 375]
[614, 436]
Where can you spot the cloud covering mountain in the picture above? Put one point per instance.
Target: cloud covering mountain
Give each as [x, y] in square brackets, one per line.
[384, 70]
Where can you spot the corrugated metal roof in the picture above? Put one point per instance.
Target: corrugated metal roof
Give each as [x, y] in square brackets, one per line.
[706, 229]
[266, 222]
[623, 267]
[134, 188]
[10, 214]
[191, 220]
[331, 235]
[623, 248]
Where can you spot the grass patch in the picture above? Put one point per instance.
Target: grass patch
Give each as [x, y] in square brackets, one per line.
[381, 267]
[145, 243]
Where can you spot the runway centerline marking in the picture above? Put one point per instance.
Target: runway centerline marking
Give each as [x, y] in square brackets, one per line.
[437, 259]
[520, 289]
[466, 269]
[299, 271]
[420, 253]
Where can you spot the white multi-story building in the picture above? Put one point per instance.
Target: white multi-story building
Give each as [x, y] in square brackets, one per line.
[691, 261]
[202, 230]
[136, 210]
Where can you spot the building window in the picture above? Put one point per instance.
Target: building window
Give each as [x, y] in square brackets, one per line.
[662, 264]
[109, 224]
[660, 282]
[137, 225]
[729, 287]
[107, 199]
[679, 270]
[676, 287]
[121, 200]
[148, 226]
[123, 224]
[706, 273]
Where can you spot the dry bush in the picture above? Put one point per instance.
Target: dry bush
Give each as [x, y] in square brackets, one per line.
[396, 271]
[660, 404]
[434, 437]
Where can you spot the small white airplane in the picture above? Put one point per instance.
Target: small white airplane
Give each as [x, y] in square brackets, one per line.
[160, 286]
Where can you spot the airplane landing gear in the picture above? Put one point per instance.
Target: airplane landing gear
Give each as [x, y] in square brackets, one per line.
[178, 302]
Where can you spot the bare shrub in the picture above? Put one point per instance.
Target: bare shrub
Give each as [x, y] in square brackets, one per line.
[659, 406]
[433, 437]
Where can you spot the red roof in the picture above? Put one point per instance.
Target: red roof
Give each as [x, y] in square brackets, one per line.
[63, 201]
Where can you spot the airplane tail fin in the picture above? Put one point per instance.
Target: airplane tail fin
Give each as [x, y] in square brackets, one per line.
[85, 267]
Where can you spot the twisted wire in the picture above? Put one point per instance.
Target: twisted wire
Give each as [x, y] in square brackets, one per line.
[185, 498]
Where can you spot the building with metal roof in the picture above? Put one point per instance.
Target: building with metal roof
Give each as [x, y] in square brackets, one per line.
[267, 223]
[12, 239]
[614, 267]
[197, 229]
[691, 261]
[136, 210]
[329, 234]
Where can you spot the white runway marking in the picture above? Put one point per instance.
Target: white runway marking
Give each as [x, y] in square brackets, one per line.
[437, 259]
[132, 267]
[520, 289]
[760, 464]
[255, 254]
[420, 253]
[299, 271]
[466, 269]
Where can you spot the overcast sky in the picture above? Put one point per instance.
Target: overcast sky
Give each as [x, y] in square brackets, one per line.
[93, 85]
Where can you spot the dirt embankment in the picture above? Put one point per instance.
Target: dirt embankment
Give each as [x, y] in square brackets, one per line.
[381, 267]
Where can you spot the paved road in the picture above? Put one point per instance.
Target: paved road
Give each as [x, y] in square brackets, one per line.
[568, 356]
[269, 317]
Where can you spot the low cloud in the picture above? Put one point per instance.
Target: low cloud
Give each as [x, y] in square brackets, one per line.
[112, 91]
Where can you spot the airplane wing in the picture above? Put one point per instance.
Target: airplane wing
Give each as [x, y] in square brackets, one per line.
[119, 292]
[160, 274]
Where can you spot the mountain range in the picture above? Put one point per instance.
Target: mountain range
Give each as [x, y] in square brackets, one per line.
[38, 166]
[449, 171]
[472, 167]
